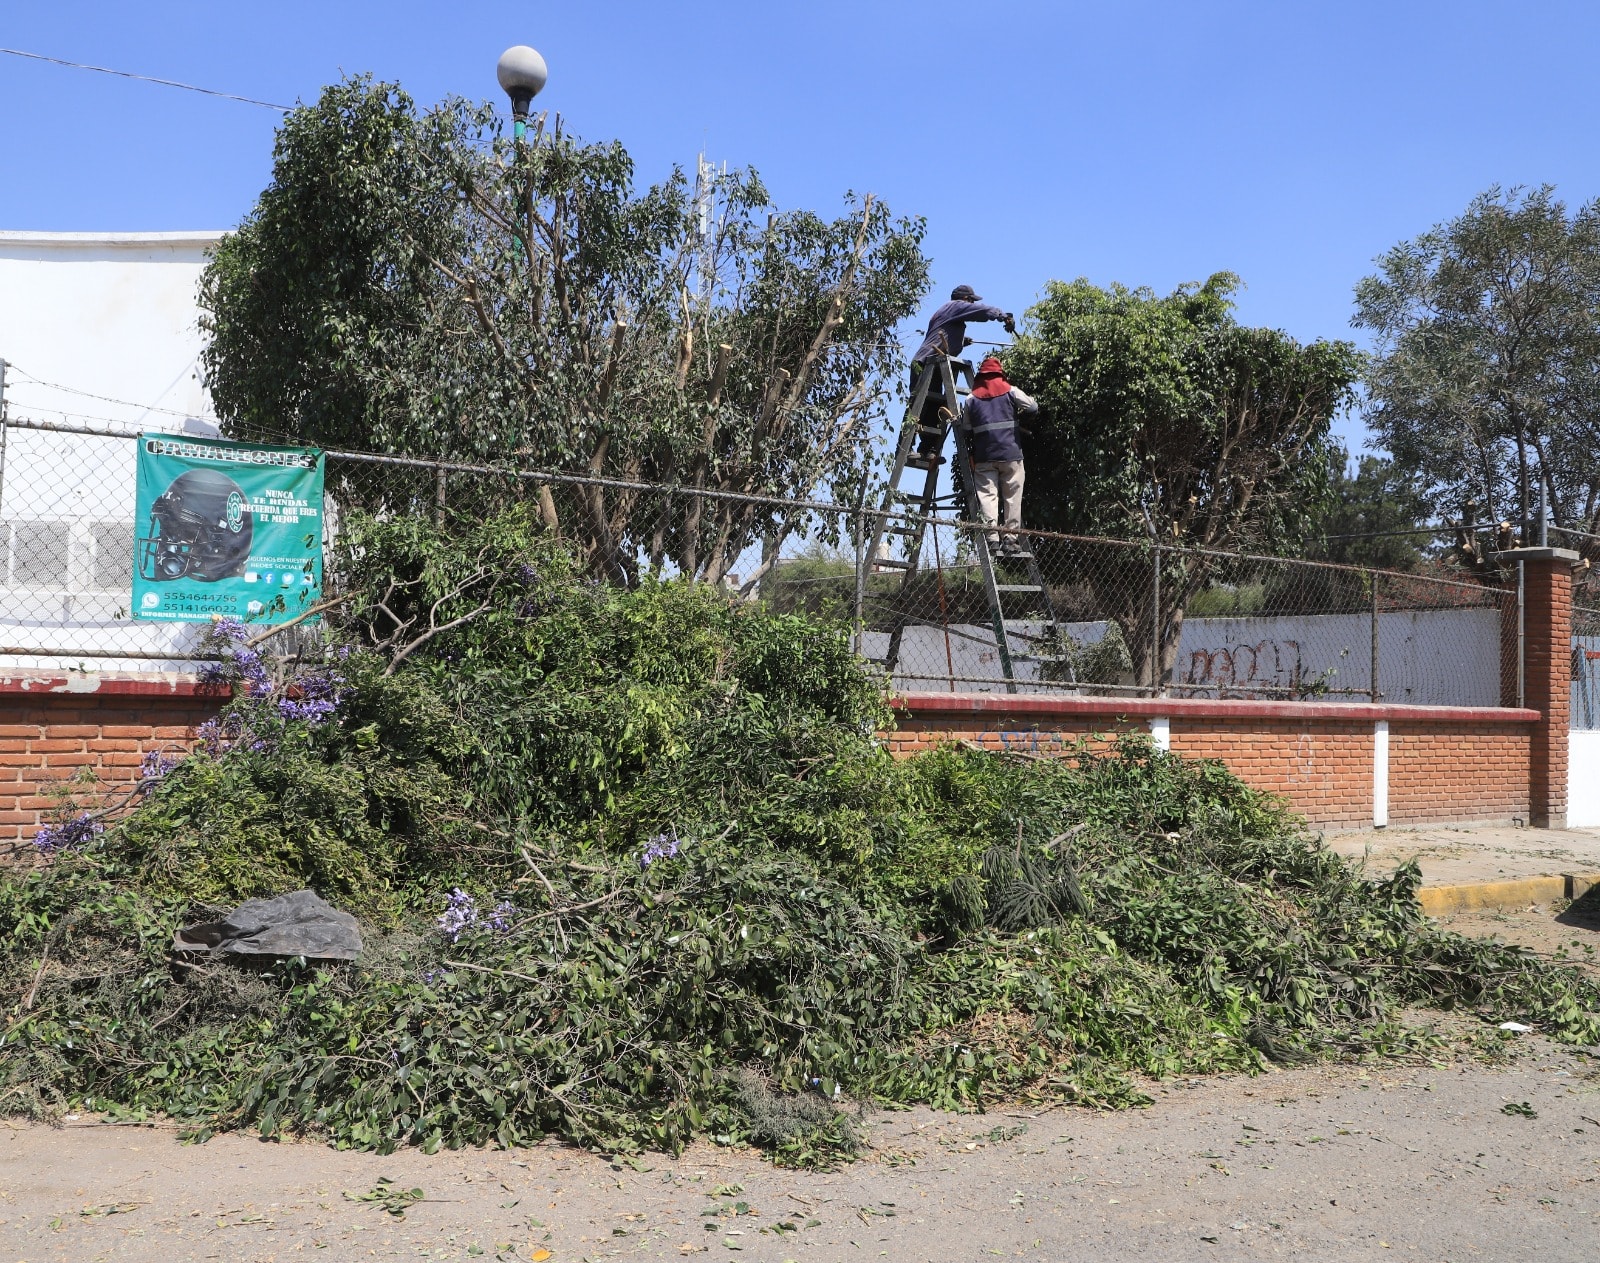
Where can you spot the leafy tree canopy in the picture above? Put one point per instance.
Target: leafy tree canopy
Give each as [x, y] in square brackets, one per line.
[1367, 515]
[1165, 414]
[412, 282]
[1486, 381]
[1164, 419]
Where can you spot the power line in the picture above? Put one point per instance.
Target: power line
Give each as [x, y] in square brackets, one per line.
[86, 394]
[1420, 530]
[128, 74]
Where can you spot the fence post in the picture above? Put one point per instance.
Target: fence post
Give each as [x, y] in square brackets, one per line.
[1155, 626]
[1522, 635]
[3, 435]
[861, 583]
[1373, 580]
[438, 497]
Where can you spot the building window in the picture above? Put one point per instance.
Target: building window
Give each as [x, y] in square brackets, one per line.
[37, 554]
[111, 568]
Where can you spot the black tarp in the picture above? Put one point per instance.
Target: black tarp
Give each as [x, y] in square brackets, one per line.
[297, 924]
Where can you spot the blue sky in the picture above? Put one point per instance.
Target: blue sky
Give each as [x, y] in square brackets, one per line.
[1150, 143]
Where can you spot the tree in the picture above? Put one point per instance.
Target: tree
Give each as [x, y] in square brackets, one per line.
[1485, 384]
[1164, 420]
[412, 283]
[1368, 516]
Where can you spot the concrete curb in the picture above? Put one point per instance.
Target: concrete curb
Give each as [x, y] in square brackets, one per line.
[1439, 900]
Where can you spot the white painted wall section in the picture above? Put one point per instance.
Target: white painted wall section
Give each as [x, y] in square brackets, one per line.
[104, 326]
[1583, 779]
[99, 330]
[1380, 774]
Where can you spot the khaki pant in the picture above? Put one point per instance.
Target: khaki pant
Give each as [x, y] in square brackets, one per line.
[1000, 496]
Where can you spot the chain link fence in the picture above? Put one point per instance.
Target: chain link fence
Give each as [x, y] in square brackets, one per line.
[1585, 709]
[927, 597]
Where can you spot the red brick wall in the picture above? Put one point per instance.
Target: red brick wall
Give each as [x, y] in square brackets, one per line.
[1446, 764]
[47, 736]
[1022, 734]
[1323, 767]
[1440, 772]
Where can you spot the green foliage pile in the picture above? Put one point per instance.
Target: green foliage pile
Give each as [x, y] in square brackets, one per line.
[707, 900]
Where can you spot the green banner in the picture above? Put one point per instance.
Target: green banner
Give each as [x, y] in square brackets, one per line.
[231, 529]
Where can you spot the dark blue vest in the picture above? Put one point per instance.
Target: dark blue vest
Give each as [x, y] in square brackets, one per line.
[992, 428]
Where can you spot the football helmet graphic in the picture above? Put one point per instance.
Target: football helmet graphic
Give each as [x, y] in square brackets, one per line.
[200, 528]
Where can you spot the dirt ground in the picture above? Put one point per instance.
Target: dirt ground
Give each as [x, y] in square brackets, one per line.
[1374, 1162]
[1568, 933]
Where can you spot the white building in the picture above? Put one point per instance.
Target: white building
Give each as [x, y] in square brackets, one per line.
[98, 331]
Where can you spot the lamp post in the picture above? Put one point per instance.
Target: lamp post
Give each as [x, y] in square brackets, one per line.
[522, 73]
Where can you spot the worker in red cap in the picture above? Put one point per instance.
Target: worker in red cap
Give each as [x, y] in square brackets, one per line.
[989, 419]
[947, 335]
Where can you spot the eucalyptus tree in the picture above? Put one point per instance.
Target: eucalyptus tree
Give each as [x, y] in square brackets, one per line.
[1485, 384]
[413, 282]
[1164, 420]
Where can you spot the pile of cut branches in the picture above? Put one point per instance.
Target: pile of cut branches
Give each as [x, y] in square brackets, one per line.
[633, 867]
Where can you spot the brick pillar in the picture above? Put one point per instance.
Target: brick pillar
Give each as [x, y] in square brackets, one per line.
[1547, 675]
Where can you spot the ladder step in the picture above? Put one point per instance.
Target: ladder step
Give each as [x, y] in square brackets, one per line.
[930, 431]
[1010, 587]
[924, 462]
[890, 563]
[905, 530]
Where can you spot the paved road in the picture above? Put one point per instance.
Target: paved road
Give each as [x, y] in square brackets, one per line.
[1322, 1163]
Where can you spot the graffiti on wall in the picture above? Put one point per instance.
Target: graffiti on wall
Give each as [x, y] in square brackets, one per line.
[1267, 664]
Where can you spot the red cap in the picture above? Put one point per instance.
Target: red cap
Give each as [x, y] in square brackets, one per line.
[991, 367]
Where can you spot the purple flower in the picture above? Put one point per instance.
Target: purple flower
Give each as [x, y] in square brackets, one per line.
[68, 835]
[527, 573]
[215, 736]
[154, 767]
[460, 914]
[240, 661]
[230, 629]
[313, 697]
[661, 847]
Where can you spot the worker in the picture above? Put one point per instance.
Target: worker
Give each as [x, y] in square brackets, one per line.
[989, 420]
[947, 335]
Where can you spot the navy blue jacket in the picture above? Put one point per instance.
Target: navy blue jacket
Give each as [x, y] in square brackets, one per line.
[947, 330]
[991, 425]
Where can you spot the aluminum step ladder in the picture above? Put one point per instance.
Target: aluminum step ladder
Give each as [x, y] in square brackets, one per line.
[956, 377]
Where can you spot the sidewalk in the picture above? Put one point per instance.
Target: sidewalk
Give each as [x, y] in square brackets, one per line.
[1468, 866]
